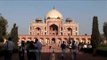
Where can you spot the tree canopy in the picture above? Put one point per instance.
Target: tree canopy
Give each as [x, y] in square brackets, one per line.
[14, 33]
[95, 37]
[3, 28]
[105, 29]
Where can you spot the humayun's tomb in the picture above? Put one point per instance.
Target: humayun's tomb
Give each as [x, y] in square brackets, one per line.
[54, 29]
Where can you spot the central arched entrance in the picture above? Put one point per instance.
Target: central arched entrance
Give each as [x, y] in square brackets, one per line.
[53, 29]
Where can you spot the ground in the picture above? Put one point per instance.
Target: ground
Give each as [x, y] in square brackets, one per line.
[47, 55]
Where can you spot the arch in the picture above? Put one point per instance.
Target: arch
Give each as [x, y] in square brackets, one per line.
[38, 28]
[69, 31]
[65, 39]
[35, 38]
[53, 40]
[53, 29]
[42, 40]
[38, 31]
[59, 41]
[23, 38]
[45, 28]
[83, 40]
[48, 41]
[78, 39]
[89, 38]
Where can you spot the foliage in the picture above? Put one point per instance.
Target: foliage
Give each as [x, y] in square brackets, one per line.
[14, 33]
[105, 29]
[95, 37]
[3, 26]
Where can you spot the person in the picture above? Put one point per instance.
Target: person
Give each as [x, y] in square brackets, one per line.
[9, 46]
[27, 47]
[63, 46]
[21, 51]
[70, 47]
[79, 47]
[31, 52]
[74, 50]
[38, 47]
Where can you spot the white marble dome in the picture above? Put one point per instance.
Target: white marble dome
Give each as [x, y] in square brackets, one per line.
[53, 13]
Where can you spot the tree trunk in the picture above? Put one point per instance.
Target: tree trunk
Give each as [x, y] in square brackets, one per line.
[94, 51]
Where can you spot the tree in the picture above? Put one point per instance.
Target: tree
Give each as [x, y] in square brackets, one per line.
[14, 33]
[105, 29]
[3, 27]
[95, 37]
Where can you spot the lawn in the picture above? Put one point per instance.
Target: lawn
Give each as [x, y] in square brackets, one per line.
[102, 47]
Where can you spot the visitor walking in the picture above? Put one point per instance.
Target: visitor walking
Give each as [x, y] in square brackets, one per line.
[21, 51]
[38, 47]
[63, 46]
[74, 50]
[8, 49]
[31, 49]
[27, 47]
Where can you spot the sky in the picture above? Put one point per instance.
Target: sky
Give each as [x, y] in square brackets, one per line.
[23, 12]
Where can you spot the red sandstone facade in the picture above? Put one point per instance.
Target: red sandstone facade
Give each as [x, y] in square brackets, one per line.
[54, 29]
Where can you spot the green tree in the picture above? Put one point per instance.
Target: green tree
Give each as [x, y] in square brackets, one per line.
[3, 27]
[95, 37]
[105, 29]
[14, 34]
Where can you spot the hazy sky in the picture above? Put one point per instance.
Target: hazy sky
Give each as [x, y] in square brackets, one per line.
[22, 12]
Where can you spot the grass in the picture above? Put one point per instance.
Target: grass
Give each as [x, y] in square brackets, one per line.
[102, 47]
